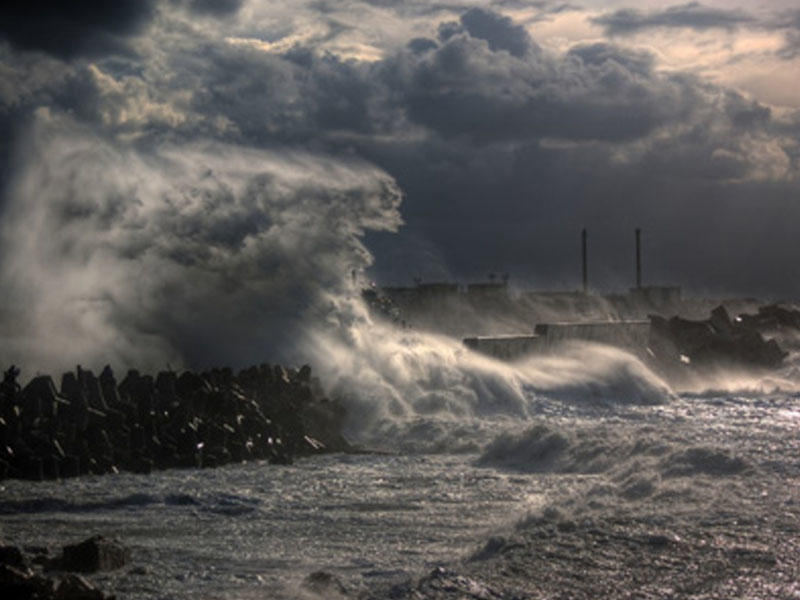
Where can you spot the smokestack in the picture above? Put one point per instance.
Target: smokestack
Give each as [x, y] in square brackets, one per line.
[638, 258]
[585, 262]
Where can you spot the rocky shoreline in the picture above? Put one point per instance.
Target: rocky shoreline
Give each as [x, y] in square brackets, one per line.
[95, 425]
[31, 573]
[720, 340]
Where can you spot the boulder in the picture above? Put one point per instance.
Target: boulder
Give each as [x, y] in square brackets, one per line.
[41, 396]
[717, 340]
[92, 424]
[94, 554]
[23, 584]
[772, 318]
[721, 322]
[12, 556]
[75, 587]
[304, 374]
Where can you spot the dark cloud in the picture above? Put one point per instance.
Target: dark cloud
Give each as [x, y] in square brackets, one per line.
[789, 23]
[744, 113]
[420, 45]
[595, 55]
[499, 31]
[68, 29]
[503, 153]
[791, 48]
[691, 15]
[448, 29]
[599, 92]
[216, 7]
[521, 209]
[295, 98]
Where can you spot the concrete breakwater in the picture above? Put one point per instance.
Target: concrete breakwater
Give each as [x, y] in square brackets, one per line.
[94, 424]
[547, 336]
[674, 344]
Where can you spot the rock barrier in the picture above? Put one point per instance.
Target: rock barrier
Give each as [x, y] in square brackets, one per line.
[718, 340]
[35, 575]
[772, 318]
[94, 424]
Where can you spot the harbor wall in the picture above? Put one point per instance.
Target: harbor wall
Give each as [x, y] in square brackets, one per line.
[631, 335]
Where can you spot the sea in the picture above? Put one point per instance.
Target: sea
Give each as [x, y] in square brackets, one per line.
[457, 477]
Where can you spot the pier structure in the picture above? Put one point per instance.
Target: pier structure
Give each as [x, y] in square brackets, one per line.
[629, 335]
[585, 261]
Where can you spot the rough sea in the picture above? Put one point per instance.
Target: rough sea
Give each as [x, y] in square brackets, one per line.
[571, 491]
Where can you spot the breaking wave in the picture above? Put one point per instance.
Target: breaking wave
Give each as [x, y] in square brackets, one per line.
[545, 448]
[429, 393]
[190, 256]
[207, 254]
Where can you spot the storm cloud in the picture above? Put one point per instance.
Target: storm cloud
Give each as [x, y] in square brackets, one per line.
[692, 15]
[162, 157]
[93, 27]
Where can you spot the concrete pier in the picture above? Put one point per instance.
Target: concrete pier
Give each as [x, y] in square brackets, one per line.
[630, 335]
[506, 347]
[626, 334]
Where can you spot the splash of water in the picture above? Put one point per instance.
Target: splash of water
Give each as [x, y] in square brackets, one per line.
[427, 392]
[189, 255]
[208, 254]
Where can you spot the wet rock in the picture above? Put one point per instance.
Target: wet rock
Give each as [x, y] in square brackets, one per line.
[9, 388]
[717, 340]
[281, 458]
[772, 318]
[23, 584]
[40, 397]
[70, 466]
[12, 556]
[721, 322]
[94, 425]
[304, 375]
[94, 554]
[41, 557]
[75, 587]
[30, 468]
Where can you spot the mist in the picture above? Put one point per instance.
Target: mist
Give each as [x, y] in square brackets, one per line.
[181, 256]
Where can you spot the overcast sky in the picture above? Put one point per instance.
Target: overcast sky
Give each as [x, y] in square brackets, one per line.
[505, 127]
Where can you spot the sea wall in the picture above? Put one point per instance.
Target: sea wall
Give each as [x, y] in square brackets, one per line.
[626, 334]
[632, 335]
[94, 424]
[505, 347]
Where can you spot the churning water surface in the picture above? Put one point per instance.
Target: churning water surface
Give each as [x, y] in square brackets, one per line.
[243, 530]
[255, 531]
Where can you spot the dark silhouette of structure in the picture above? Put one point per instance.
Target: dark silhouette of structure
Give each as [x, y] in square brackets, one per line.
[638, 258]
[585, 262]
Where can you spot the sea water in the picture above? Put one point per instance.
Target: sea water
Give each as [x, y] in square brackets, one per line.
[241, 531]
[256, 531]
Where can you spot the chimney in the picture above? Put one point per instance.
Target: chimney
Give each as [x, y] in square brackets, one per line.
[585, 262]
[638, 258]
